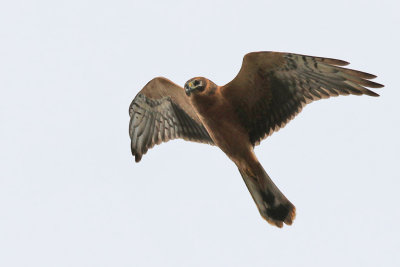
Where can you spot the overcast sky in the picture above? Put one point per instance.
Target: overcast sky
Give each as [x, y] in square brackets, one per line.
[71, 194]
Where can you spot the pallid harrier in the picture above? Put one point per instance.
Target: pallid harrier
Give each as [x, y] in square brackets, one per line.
[270, 89]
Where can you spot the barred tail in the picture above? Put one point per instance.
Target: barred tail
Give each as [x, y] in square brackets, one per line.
[274, 207]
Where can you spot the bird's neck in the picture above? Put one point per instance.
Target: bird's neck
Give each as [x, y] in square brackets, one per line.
[206, 101]
[203, 103]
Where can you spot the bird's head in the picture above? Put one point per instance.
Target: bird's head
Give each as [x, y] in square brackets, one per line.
[196, 85]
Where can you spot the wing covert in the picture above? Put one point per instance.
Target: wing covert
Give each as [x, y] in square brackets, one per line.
[161, 112]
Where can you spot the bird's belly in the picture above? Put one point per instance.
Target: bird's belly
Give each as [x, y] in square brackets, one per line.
[229, 136]
[223, 125]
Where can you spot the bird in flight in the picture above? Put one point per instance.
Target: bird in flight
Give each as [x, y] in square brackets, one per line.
[270, 89]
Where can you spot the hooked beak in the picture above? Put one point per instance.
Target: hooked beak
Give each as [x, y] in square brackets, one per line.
[189, 89]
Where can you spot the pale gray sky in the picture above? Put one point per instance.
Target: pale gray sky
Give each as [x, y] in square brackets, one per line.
[71, 194]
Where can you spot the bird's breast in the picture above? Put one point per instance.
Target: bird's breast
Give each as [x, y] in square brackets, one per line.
[221, 121]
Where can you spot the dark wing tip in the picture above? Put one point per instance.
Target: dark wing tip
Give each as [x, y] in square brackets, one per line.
[371, 93]
[371, 84]
[333, 61]
[138, 157]
[358, 73]
[366, 75]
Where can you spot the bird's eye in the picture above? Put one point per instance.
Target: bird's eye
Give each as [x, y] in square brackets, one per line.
[196, 82]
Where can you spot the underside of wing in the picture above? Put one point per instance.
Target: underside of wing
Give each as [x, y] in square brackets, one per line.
[161, 112]
[271, 88]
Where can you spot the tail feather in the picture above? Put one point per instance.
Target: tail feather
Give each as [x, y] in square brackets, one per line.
[273, 206]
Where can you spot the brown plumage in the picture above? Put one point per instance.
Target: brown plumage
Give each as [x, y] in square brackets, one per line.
[270, 89]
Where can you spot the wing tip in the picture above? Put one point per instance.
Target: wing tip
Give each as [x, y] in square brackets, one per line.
[366, 75]
[135, 153]
[371, 93]
[138, 157]
[334, 61]
[370, 84]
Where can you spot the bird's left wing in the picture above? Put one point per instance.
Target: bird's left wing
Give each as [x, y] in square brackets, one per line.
[272, 87]
[161, 112]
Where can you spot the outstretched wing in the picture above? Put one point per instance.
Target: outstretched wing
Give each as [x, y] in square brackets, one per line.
[161, 112]
[271, 88]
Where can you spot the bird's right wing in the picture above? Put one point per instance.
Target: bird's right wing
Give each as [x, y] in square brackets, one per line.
[272, 87]
[161, 112]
